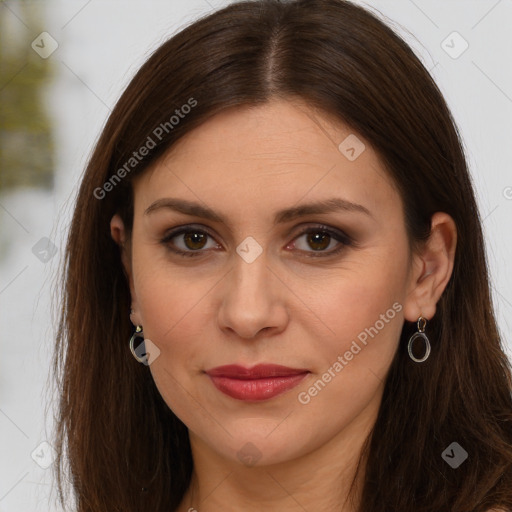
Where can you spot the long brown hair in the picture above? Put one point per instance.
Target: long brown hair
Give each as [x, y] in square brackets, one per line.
[114, 429]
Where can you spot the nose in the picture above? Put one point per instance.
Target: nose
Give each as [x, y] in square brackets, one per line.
[253, 300]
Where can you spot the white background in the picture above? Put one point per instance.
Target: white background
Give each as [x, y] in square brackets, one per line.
[101, 45]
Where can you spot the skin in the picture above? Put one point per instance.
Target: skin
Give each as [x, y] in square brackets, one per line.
[283, 308]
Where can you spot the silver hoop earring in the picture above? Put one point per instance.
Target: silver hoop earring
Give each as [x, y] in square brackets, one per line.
[140, 352]
[422, 322]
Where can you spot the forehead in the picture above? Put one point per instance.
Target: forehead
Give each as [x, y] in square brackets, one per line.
[254, 158]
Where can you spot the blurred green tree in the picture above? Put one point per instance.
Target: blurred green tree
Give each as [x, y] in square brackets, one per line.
[26, 139]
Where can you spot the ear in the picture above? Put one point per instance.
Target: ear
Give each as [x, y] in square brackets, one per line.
[120, 236]
[431, 269]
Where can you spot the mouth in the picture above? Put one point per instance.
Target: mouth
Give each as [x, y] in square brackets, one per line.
[261, 382]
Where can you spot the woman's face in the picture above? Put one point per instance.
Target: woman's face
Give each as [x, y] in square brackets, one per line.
[254, 289]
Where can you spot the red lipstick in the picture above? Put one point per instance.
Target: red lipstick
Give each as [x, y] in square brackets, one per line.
[261, 382]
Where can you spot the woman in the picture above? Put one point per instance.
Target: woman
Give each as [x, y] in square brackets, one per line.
[276, 290]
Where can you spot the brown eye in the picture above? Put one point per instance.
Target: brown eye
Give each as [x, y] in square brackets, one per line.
[319, 239]
[195, 240]
[190, 241]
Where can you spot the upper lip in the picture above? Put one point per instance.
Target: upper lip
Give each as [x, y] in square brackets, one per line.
[256, 372]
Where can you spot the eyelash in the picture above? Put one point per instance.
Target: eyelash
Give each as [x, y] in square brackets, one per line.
[344, 240]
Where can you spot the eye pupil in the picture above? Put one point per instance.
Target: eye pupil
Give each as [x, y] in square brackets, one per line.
[315, 239]
[195, 238]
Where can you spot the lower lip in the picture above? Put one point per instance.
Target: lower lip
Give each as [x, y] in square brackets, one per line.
[256, 390]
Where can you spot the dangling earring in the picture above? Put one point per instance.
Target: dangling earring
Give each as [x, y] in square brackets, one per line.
[138, 334]
[422, 322]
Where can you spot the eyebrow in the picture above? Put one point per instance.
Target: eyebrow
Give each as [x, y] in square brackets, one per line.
[330, 205]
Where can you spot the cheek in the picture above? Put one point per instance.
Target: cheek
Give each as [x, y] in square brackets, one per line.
[366, 330]
[174, 308]
[173, 311]
[366, 317]
[363, 311]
